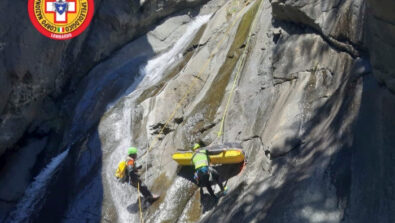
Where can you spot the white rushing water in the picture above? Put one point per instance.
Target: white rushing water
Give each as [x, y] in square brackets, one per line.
[124, 196]
[35, 193]
[157, 66]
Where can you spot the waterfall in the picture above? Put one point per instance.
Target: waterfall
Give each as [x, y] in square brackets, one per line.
[124, 195]
[157, 66]
[34, 195]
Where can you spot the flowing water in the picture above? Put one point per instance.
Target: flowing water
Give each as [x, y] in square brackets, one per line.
[123, 195]
[35, 193]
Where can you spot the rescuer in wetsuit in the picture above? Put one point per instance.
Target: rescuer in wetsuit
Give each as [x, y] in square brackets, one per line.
[200, 160]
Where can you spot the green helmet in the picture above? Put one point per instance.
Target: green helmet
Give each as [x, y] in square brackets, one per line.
[196, 146]
[132, 151]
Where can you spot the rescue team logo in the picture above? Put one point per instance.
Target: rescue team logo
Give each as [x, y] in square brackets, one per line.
[61, 19]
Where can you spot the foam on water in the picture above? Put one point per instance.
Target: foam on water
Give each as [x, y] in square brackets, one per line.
[157, 66]
[124, 196]
[34, 195]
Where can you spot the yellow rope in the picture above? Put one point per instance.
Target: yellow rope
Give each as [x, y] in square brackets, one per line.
[140, 209]
[238, 72]
[179, 104]
[198, 76]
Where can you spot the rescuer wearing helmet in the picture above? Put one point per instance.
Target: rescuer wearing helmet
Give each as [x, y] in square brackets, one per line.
[201, 161]
[133, 176]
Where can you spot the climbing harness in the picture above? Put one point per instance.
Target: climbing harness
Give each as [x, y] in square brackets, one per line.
[194, 82]
[198, 76]
[199, 172]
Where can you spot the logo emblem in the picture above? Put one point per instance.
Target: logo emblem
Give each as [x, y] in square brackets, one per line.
[61, 7]
[61, 19]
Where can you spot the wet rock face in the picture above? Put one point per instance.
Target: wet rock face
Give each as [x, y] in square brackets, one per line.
[315, 125]
[295, 110]
[35, 69]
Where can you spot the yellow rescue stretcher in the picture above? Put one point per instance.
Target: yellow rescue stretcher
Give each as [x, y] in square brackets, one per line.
[230, 156]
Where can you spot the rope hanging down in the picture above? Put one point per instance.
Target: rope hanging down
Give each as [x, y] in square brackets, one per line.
[180, 102]
[198, 77]
[140, 209]
[239, 68]
[194, 81]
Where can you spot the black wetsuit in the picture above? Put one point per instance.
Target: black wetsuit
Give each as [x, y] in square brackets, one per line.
[203, 174]
[134, 179]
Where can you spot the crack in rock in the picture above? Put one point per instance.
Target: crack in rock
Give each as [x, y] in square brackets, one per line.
[282, 80]
[205, 128]
[157, 128]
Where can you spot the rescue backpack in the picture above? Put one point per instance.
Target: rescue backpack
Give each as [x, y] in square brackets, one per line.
[120, 174]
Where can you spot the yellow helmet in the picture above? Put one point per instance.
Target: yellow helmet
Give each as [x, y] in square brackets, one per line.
[196, 146]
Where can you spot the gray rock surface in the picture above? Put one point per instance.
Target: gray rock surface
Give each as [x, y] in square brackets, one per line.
[371, 193]
[276, 112]
[38, 76]
[313, 109]
[380, 40]
[341, 20]
[30, 74]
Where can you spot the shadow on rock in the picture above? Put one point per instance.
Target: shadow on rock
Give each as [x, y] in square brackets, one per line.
[225, 172]
[318, 175]
[228, 171]
[134, 208]
[207, 201]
